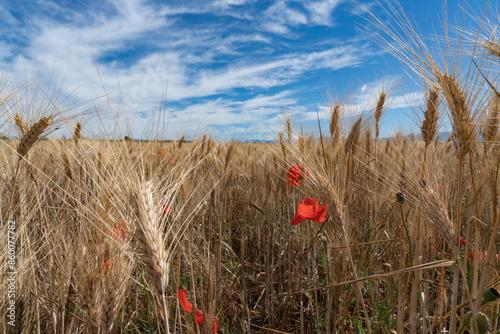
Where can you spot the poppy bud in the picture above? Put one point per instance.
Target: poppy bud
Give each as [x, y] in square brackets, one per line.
[490, 295]
[400, 197]
[483, 323]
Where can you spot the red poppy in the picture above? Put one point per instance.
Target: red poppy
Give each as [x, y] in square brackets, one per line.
[199, 316]
[120, 231]
[182, 295]
[215, 325]
[172, 162]
[309, 208]
[166, 211]
[295, 175]
[106, 266]
[462, 241]
[172, 155]
[470, 255]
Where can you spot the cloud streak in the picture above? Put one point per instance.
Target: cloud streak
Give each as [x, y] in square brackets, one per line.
[226, 63]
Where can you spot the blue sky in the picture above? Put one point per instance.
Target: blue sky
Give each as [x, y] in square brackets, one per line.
[229, 68]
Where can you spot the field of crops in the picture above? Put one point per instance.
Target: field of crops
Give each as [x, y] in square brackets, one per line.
[330, 232]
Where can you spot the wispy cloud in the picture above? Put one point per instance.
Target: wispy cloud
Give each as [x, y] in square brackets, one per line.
[222, 64]
[321, 11]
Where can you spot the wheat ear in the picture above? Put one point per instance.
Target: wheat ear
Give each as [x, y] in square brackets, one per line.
[77, 134]
[150, 237]
[490, 128]
[32, 135]
[353, 137]
[493, 48]
[21, 124]
[429, 125]
[289, 130]
[378, 112]
[181, 141]
[463, 133]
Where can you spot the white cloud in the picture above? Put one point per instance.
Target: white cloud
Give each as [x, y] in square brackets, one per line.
[320, 11]
[279, 17]
[187, 62]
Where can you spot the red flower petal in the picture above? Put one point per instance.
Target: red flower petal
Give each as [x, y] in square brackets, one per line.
[309, 208]
[120, 231]
[182, 295]
[462, 241]
[215, 325]
[199, 316]
[295, 175]
[106, 265]
[166, 211]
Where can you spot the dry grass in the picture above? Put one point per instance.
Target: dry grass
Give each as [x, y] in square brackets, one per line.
[108, 231]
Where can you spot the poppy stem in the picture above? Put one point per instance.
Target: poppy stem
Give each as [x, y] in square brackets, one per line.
[407, 234]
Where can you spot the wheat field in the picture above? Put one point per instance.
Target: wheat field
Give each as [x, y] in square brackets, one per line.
[327, 232]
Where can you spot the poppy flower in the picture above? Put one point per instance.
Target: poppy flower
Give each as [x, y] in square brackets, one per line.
[182, 295]
[470, 255]
[309, 208]
[120, 231]
[462, 241]
[166, 211]
[199, 316]
[215, 325]
[172, 155]
[172, 162]
[106, 266]
[295, 175]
